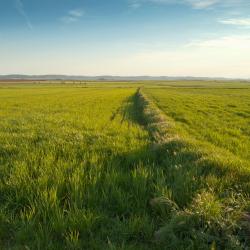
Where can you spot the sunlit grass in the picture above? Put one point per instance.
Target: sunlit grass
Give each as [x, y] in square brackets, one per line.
[220, 116]
[95, 166]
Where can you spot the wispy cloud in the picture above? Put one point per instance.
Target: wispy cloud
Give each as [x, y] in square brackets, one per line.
[20, 8]
[233, 42]
[196, 4]
[135, 5]
[202, 4]
[73, 16]
[243, 22]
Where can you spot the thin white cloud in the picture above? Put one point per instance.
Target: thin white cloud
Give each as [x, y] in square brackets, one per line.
[73, 16]
[76, 13]
[232, 42]
[20, 8]
[196, 4]
[202, 4]
[245, 22]
[135, 5]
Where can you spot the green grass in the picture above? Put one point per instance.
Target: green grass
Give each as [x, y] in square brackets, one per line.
[99, 166]
[207, 156]
[219, 116]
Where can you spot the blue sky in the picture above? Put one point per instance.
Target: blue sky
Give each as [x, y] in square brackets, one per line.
[125, 37]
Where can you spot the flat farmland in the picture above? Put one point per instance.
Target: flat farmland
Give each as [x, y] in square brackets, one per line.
[88, 165]
[218, 115]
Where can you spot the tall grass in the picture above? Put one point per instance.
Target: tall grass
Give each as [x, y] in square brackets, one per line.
[103, 168]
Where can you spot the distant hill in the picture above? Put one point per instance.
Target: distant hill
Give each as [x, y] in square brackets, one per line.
[107, 78]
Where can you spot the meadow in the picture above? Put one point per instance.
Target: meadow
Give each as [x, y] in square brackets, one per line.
[147, 165]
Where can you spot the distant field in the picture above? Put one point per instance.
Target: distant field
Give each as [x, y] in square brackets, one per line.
[88, 165]
[219, 115]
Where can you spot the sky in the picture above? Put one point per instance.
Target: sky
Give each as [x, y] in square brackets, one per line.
[126, 37]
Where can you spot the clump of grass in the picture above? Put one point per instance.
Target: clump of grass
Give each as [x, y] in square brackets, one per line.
[204, 224]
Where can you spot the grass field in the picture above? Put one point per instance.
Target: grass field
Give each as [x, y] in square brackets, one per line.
[105, 166]
[220, 116]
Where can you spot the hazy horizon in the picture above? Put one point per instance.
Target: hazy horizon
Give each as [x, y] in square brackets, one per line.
[198, 38]
[112, 77]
